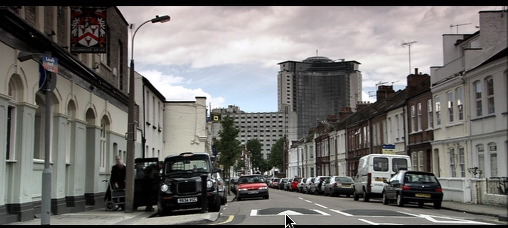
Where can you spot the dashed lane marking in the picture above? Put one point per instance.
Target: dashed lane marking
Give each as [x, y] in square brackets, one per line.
[340, 212]
[321, 212]
[373, 223]
[321, 206]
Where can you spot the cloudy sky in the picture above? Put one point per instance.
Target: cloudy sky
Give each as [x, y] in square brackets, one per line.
[230, 54]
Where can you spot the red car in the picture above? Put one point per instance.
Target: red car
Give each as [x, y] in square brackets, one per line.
[251, 186]
[294, 183]
[275, 183]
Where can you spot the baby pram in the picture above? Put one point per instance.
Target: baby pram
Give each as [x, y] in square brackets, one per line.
[116, 197]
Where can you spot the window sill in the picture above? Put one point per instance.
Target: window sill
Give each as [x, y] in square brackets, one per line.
[454, 124]
[484, 117]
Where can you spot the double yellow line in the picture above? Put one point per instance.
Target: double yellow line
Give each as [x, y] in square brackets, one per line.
[230, 219]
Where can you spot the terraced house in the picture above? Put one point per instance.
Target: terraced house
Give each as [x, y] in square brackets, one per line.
[452, 122]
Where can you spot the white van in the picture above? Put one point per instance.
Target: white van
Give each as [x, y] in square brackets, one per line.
[373, 169]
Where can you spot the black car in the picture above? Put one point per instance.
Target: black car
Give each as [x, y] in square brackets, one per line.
[413, 186]
[181, 186]
[146, 182]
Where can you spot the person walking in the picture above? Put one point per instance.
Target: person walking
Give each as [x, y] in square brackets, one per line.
[117, 178]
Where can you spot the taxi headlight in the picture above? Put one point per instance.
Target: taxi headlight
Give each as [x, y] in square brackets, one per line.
[209, 184]
[165, 188]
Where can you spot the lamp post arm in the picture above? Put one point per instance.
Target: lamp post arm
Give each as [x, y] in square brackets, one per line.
[133, 35]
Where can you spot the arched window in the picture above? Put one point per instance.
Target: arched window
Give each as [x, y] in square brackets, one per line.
[451, 152]
[39, 128]
[71, 113]
[492, 147]
[15, 91]
[480, 150]
[103, 143]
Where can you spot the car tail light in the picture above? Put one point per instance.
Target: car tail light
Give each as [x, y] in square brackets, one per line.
[439, 190]
[405, 187]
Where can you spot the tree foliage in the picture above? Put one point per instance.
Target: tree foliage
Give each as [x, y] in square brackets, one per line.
[257, 160]
[277, 153]
[228, 146]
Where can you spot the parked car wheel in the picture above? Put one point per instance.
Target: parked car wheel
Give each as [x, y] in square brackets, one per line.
[161, 210]
[356, 197]
[437, 205]
[385, 200]
[366, 196]
[215, 207]
[400, 200]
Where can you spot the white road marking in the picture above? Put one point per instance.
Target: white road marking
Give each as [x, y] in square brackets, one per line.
[340, 212]
[321, 205]
[448, 220]
[253, 212]
[373, 223]
[308, 201]
[320, 212]
[290, 212]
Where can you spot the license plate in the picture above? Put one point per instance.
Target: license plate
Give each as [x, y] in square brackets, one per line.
[188, 200]
[253, 192]
[346, 186]
[422, 195]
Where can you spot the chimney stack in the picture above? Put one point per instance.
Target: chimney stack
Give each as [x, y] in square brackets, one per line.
[384, 91]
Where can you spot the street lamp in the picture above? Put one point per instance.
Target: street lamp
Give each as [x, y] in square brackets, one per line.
[131, 125]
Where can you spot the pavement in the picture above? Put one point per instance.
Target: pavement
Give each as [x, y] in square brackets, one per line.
[141, 217]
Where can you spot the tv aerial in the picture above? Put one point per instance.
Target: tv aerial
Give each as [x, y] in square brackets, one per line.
[457, 26]
[409, 45]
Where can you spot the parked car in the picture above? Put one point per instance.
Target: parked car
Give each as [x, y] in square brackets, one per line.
[252, 186]
[234, 185]
[339, 185]
[309, 185]
[275, 183]
[181, 186]
[301, 184]
[413, 186]
[319, 182]
[294, 184]
[373, 170]
[282, 183]
[221, 185]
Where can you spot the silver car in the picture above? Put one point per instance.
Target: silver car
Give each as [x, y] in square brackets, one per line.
[222, 188]
[301, 184]
[310, 188]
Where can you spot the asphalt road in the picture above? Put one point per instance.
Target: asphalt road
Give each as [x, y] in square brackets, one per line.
[306, 209]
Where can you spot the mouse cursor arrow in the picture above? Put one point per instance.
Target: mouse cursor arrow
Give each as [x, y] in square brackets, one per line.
[289, 222]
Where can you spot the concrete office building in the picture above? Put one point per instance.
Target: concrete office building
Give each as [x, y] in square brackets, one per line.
[267, 127]
[311, 90]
